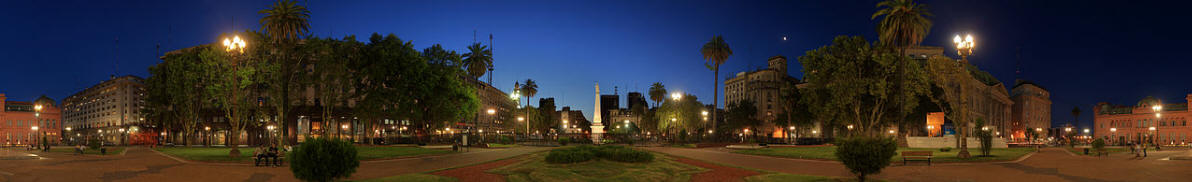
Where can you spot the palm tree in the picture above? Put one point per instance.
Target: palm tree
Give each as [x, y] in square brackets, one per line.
[904, 23]
[285, 21]
[529, 89]
[479, 59]
[1075, 114]
[715, 52]
[657, 93]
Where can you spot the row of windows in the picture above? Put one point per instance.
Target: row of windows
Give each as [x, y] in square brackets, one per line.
[41, 123]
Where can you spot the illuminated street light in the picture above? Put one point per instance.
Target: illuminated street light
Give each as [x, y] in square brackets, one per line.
[1151, 128]
[234, 44]
[850, 127]
[1038, 129]
[1086, 130]
[492, 111]
[519, 118]
[676, 96]
[705, 113]
[1112, 129]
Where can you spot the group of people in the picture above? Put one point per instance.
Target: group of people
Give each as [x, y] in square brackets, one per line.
[1139, 149]
[267, 155]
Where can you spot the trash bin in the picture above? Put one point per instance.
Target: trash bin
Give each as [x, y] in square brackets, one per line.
[1086, 151]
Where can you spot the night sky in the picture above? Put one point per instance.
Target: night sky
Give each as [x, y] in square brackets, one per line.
[1084, 52]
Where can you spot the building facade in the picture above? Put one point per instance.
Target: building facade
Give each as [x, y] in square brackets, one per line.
[109, 106]
[24, 123]
[636, 99]
[609, 103]
[1140, 123]
[496, 107]
[764, 87]
[988, 98]
[1031, 109]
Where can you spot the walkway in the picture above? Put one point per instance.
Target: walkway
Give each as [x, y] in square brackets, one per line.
[141, 164]
[1047, 165]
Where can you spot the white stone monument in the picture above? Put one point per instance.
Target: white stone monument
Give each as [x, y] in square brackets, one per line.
[597, 127]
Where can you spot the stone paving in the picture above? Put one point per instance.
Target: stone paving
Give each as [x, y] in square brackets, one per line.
[1051, 164]
[142, 164]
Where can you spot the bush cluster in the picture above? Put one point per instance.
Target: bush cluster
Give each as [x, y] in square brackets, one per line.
[506, 140]
[322, 159]
[865, 156]
[586, 153]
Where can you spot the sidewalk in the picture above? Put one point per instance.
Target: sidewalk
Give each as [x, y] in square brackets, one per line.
[1051, 164]
[142, 164]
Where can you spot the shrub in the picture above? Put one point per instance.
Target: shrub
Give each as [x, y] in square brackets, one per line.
[585, 153]
[563, 141]
[946, 149]
[1099, 144]
[322, 159]
[571, 155]
[865, 156]
[506, 140]
[94, 144]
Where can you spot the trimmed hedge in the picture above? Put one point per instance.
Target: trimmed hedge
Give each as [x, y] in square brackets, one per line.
[586, 153]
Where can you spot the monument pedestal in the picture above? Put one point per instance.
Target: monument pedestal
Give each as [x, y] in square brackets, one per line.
[597, 134]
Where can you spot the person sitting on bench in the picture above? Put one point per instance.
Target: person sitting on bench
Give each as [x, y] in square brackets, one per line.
[259, 154]
[272, 153]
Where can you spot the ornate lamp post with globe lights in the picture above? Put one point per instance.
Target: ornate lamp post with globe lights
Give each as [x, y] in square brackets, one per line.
[964, 48]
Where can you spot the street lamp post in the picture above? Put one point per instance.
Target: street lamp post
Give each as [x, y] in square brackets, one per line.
[1158, 118]
[37, 116]
[964, 47]
[206, 135]
[34, 128]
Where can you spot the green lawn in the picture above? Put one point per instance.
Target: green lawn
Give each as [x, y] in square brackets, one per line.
[220, 154]
[71, 150]
[828, 153]
[497, 145]
[663, 168]
[415, 177]
[381, 152]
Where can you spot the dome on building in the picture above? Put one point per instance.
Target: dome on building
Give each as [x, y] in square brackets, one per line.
[45, 101]
[1148, 101]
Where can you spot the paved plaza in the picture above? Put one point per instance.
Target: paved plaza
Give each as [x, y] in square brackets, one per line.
[143, 164]
[1050, 164]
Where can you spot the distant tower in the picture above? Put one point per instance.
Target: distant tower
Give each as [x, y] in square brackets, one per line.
[778, 63]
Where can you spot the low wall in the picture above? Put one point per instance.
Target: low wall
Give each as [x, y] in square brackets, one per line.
[949, 141]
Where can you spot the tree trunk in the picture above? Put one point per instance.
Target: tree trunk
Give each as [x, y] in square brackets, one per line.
[715, 95]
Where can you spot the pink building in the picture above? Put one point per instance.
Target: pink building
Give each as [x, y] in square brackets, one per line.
[22, 123]
[1142, 123]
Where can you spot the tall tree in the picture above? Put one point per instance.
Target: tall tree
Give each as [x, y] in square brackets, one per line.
[715, 52]
[682, 115]
[742, 115]
[657, 93]
[528, 90]
[1075, 114]
[285, 22]
[904, 23]
[478, 59]
[851, 83]
[233, 76]
[952, 79]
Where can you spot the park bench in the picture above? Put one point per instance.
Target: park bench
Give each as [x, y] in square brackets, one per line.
[917, 156]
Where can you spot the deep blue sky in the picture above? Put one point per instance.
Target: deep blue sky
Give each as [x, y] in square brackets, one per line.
[1084, 52]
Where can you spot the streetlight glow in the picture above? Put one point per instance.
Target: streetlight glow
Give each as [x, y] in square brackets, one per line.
[676, 96]
[492, 111]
